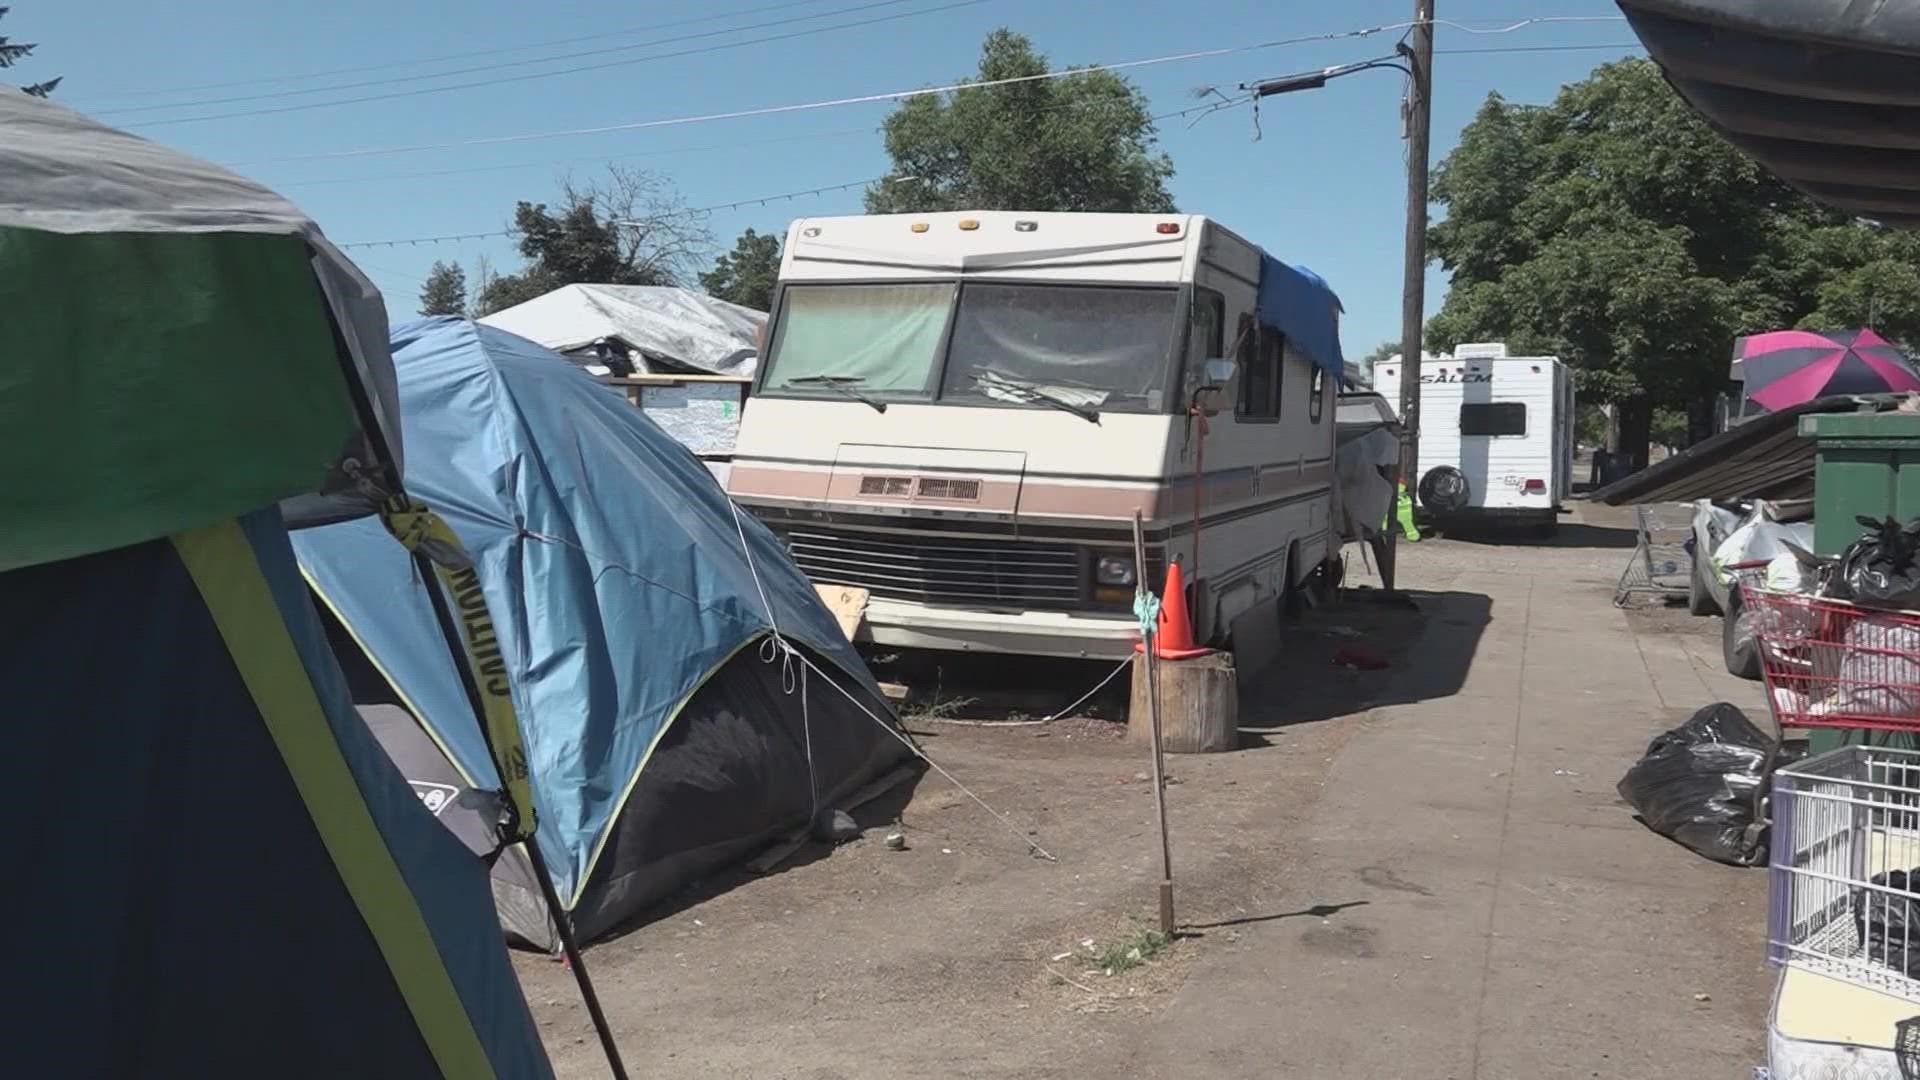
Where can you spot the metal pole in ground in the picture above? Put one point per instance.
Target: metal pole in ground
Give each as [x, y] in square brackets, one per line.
[570, 947]
[443, 615]
[1413, 295]
[1148, 638]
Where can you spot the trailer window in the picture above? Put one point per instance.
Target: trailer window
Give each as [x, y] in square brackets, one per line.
[880, 339]
[1098, 346]
[1318, 402]
[1494, 418]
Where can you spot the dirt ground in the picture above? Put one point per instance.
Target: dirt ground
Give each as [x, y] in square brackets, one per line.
[964, 955]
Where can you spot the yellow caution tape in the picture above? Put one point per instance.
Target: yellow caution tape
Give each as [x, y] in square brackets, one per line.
[420, 530]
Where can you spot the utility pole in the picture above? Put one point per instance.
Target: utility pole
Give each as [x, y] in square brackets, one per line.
[1413, 297]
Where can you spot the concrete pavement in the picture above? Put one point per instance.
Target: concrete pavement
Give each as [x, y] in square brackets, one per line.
[1499, 914]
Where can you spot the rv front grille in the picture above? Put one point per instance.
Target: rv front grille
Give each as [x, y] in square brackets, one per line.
[942, 569]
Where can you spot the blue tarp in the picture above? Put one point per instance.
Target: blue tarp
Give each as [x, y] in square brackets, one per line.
[1297, 302]
[611, 562]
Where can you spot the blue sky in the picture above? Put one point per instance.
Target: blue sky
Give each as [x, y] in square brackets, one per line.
[1323, 186]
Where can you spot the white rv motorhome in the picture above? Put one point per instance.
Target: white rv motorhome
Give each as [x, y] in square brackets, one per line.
[962, 412]
[1496, 434]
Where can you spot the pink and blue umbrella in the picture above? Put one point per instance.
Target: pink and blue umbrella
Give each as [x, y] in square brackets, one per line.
[1791, 367]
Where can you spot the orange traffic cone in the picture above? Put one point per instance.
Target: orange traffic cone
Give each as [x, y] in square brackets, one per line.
[1173, 634]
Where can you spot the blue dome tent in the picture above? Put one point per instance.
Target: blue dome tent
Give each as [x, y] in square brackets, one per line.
[667, 732]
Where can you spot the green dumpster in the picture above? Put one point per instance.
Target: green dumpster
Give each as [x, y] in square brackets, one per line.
[1865, 464]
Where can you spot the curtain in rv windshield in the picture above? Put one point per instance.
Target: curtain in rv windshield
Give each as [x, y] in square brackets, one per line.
[877, 337]
[1113, 340]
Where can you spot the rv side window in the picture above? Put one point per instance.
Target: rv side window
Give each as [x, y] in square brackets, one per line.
[1317, 403]
[1494, 418]
[1260, 371]
[1204, 332]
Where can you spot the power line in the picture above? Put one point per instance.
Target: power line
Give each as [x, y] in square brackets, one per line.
[550, 163]
[811, 106]
[895, 95]
[1542, 48]
[759, 201]
[742, 144]
[577, 70]
[584, 54]
[268, 80]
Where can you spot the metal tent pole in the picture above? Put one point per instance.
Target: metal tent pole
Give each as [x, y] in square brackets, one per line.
[1167, 923]
[563, 928]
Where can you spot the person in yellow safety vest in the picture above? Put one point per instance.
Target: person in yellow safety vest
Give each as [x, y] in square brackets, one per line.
[1403, 512]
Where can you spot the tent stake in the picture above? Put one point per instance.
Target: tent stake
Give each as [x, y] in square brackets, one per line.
[443, 615]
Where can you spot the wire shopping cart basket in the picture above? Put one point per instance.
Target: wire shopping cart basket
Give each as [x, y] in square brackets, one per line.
[1844, 895]
[1844, 889]
[1662, 559]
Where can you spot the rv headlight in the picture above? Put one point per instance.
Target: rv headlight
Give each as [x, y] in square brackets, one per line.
[1113, 570]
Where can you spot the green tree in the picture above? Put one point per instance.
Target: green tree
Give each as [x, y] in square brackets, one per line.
[1082, 142]
[746, 274]
[12, 52]
[1386, 350]
[630, 228]
[1613, 228]
[445, 290]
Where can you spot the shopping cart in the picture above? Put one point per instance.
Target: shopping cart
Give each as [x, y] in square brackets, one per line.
[1662, 561]
[1845, 849]
[1829, 663]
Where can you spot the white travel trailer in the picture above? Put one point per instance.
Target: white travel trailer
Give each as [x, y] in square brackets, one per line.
[962, 412]
[1496, 435]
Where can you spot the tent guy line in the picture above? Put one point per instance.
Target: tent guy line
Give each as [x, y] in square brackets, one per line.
[898, 95]
[789, 653]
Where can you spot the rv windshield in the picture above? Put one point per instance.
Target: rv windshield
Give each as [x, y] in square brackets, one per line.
[1093, 346]
[1082, 348]
[882, 340]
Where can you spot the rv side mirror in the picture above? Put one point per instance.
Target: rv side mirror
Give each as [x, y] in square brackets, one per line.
[1215, 374]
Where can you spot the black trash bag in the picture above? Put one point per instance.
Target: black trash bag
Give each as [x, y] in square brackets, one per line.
[1699, 783]
[1888, 923]
[1882, 568]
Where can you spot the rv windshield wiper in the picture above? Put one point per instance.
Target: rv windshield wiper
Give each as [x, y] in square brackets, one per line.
[1034, 393]
[842, 385]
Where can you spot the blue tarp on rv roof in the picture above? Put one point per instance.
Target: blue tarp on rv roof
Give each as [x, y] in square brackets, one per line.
[611, 561]
[1297, 302]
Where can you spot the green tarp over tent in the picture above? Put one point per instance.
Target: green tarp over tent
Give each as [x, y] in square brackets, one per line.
[215, 871]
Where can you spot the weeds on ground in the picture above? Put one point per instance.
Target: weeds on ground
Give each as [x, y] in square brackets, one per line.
[1129, 951]
[941, 708]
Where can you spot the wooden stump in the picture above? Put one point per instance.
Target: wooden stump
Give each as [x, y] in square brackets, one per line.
[1199, 705]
